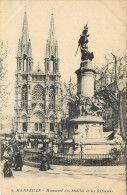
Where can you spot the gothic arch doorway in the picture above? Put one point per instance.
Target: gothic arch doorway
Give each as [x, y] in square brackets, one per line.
[38, 120]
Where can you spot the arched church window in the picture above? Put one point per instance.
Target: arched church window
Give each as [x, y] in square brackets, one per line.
[24, 96]
[24, 126]
[52, 93]
[40, 126]
[51, 127]
[36, 126]
[38, 93]
[52, 97]
[51, 66]
[24, 62]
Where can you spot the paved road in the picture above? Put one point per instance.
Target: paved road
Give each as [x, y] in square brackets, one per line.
[90, 181]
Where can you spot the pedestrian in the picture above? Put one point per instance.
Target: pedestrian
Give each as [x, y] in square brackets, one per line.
[7, 168]
[18, 161]
[21, 152]
[44, 162]
[10, 152]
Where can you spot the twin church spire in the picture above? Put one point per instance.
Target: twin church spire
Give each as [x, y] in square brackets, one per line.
[24, 45]
[51, 55]
[25, 49]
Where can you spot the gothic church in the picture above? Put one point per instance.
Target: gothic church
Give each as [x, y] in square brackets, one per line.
[38, 105]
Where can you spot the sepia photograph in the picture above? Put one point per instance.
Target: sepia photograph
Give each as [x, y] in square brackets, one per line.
[63, 100]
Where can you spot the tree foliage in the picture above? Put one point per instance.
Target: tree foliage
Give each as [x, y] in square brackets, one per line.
[119, 150]
[112, 82]
[3, 78]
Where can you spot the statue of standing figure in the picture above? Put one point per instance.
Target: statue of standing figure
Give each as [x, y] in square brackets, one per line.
[83, 41]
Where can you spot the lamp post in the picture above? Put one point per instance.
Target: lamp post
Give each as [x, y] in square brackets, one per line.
[81, 151]
[52, 146]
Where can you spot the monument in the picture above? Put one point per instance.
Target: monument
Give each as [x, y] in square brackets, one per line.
[86, 127]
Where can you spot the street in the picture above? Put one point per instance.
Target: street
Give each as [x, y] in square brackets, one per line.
[93, 180]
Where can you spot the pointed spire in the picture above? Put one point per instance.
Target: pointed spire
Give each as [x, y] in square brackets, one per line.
[25, 34]
[52, 30]
[51, 49]
[51, 46]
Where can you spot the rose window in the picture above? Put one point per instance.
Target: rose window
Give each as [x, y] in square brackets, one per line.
[38, 93]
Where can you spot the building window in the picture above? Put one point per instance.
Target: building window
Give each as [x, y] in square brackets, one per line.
[24, 96]
[51, 66]
[51, 127]
[38, 93]
[52, 97]
[24, 126]
[19, 65]
[38, 126]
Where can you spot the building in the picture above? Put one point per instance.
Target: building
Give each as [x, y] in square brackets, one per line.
[38, 103]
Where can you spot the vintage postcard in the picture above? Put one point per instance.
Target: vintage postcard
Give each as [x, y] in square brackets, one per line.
[63, 104]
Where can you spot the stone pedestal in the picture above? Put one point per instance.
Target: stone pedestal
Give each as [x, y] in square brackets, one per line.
[87, 130]
[85, 79]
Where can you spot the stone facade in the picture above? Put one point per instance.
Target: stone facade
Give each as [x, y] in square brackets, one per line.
[38, 106]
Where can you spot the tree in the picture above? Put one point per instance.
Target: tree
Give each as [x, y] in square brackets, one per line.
[118, 151]
[3, 84]
[113, 86]
[120, 86]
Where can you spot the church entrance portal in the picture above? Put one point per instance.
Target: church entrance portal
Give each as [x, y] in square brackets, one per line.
[38, 122]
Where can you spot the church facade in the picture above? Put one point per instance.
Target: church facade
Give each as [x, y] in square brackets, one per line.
[38, 101]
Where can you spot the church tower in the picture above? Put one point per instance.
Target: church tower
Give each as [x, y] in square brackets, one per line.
[38, 105]
[51, 56]
[23, 79]
[52, 82]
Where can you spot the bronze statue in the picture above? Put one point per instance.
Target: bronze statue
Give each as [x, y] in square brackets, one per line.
[83, 41]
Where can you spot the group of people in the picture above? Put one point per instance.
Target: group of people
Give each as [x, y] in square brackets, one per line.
[12, 157]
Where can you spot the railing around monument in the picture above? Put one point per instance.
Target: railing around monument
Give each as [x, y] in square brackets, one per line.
[81, 160]
[72, 159]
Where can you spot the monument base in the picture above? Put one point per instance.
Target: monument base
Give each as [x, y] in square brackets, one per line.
[87, 132]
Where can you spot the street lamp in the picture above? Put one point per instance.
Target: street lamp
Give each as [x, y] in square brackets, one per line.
[81, 151]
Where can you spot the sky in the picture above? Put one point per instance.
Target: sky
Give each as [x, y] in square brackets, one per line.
[107, 23]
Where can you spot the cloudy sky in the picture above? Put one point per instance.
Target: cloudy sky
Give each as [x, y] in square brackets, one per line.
[106, 22]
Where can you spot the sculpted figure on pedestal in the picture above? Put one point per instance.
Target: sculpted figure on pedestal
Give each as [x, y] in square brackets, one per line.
[83, 41]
